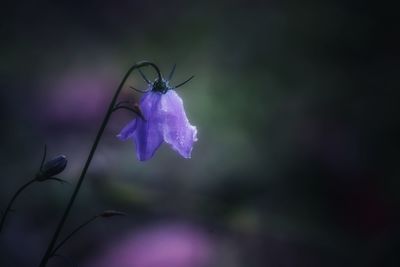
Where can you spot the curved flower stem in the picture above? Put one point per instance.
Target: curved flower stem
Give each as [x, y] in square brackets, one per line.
[16, 194]
[53, 253]
[103, 125]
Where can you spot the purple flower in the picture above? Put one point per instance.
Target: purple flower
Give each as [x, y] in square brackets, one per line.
[164, 120]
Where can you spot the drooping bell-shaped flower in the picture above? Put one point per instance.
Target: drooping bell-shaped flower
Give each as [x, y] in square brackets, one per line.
[164, 120]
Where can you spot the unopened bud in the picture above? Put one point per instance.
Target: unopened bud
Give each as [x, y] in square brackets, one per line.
[111, 213]
[52, 167]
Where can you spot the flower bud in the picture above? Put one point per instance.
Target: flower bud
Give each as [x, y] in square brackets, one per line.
[52, 167]
[111, 213]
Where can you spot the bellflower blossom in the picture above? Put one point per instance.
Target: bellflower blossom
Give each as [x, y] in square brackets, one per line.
[163, 120]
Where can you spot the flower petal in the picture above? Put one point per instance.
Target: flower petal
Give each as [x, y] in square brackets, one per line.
[176, 128]
[147, 135]
[128, 131]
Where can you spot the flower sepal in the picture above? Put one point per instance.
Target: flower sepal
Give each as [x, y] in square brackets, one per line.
[161, 86]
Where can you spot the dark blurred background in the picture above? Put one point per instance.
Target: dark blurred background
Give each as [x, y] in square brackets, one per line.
[297, 111]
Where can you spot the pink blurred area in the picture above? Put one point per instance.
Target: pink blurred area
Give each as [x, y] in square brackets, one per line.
[160, 245]
[77, 96]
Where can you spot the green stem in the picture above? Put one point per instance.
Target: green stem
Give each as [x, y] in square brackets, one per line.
[16, 194]
[53, 241]
[53, 253]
